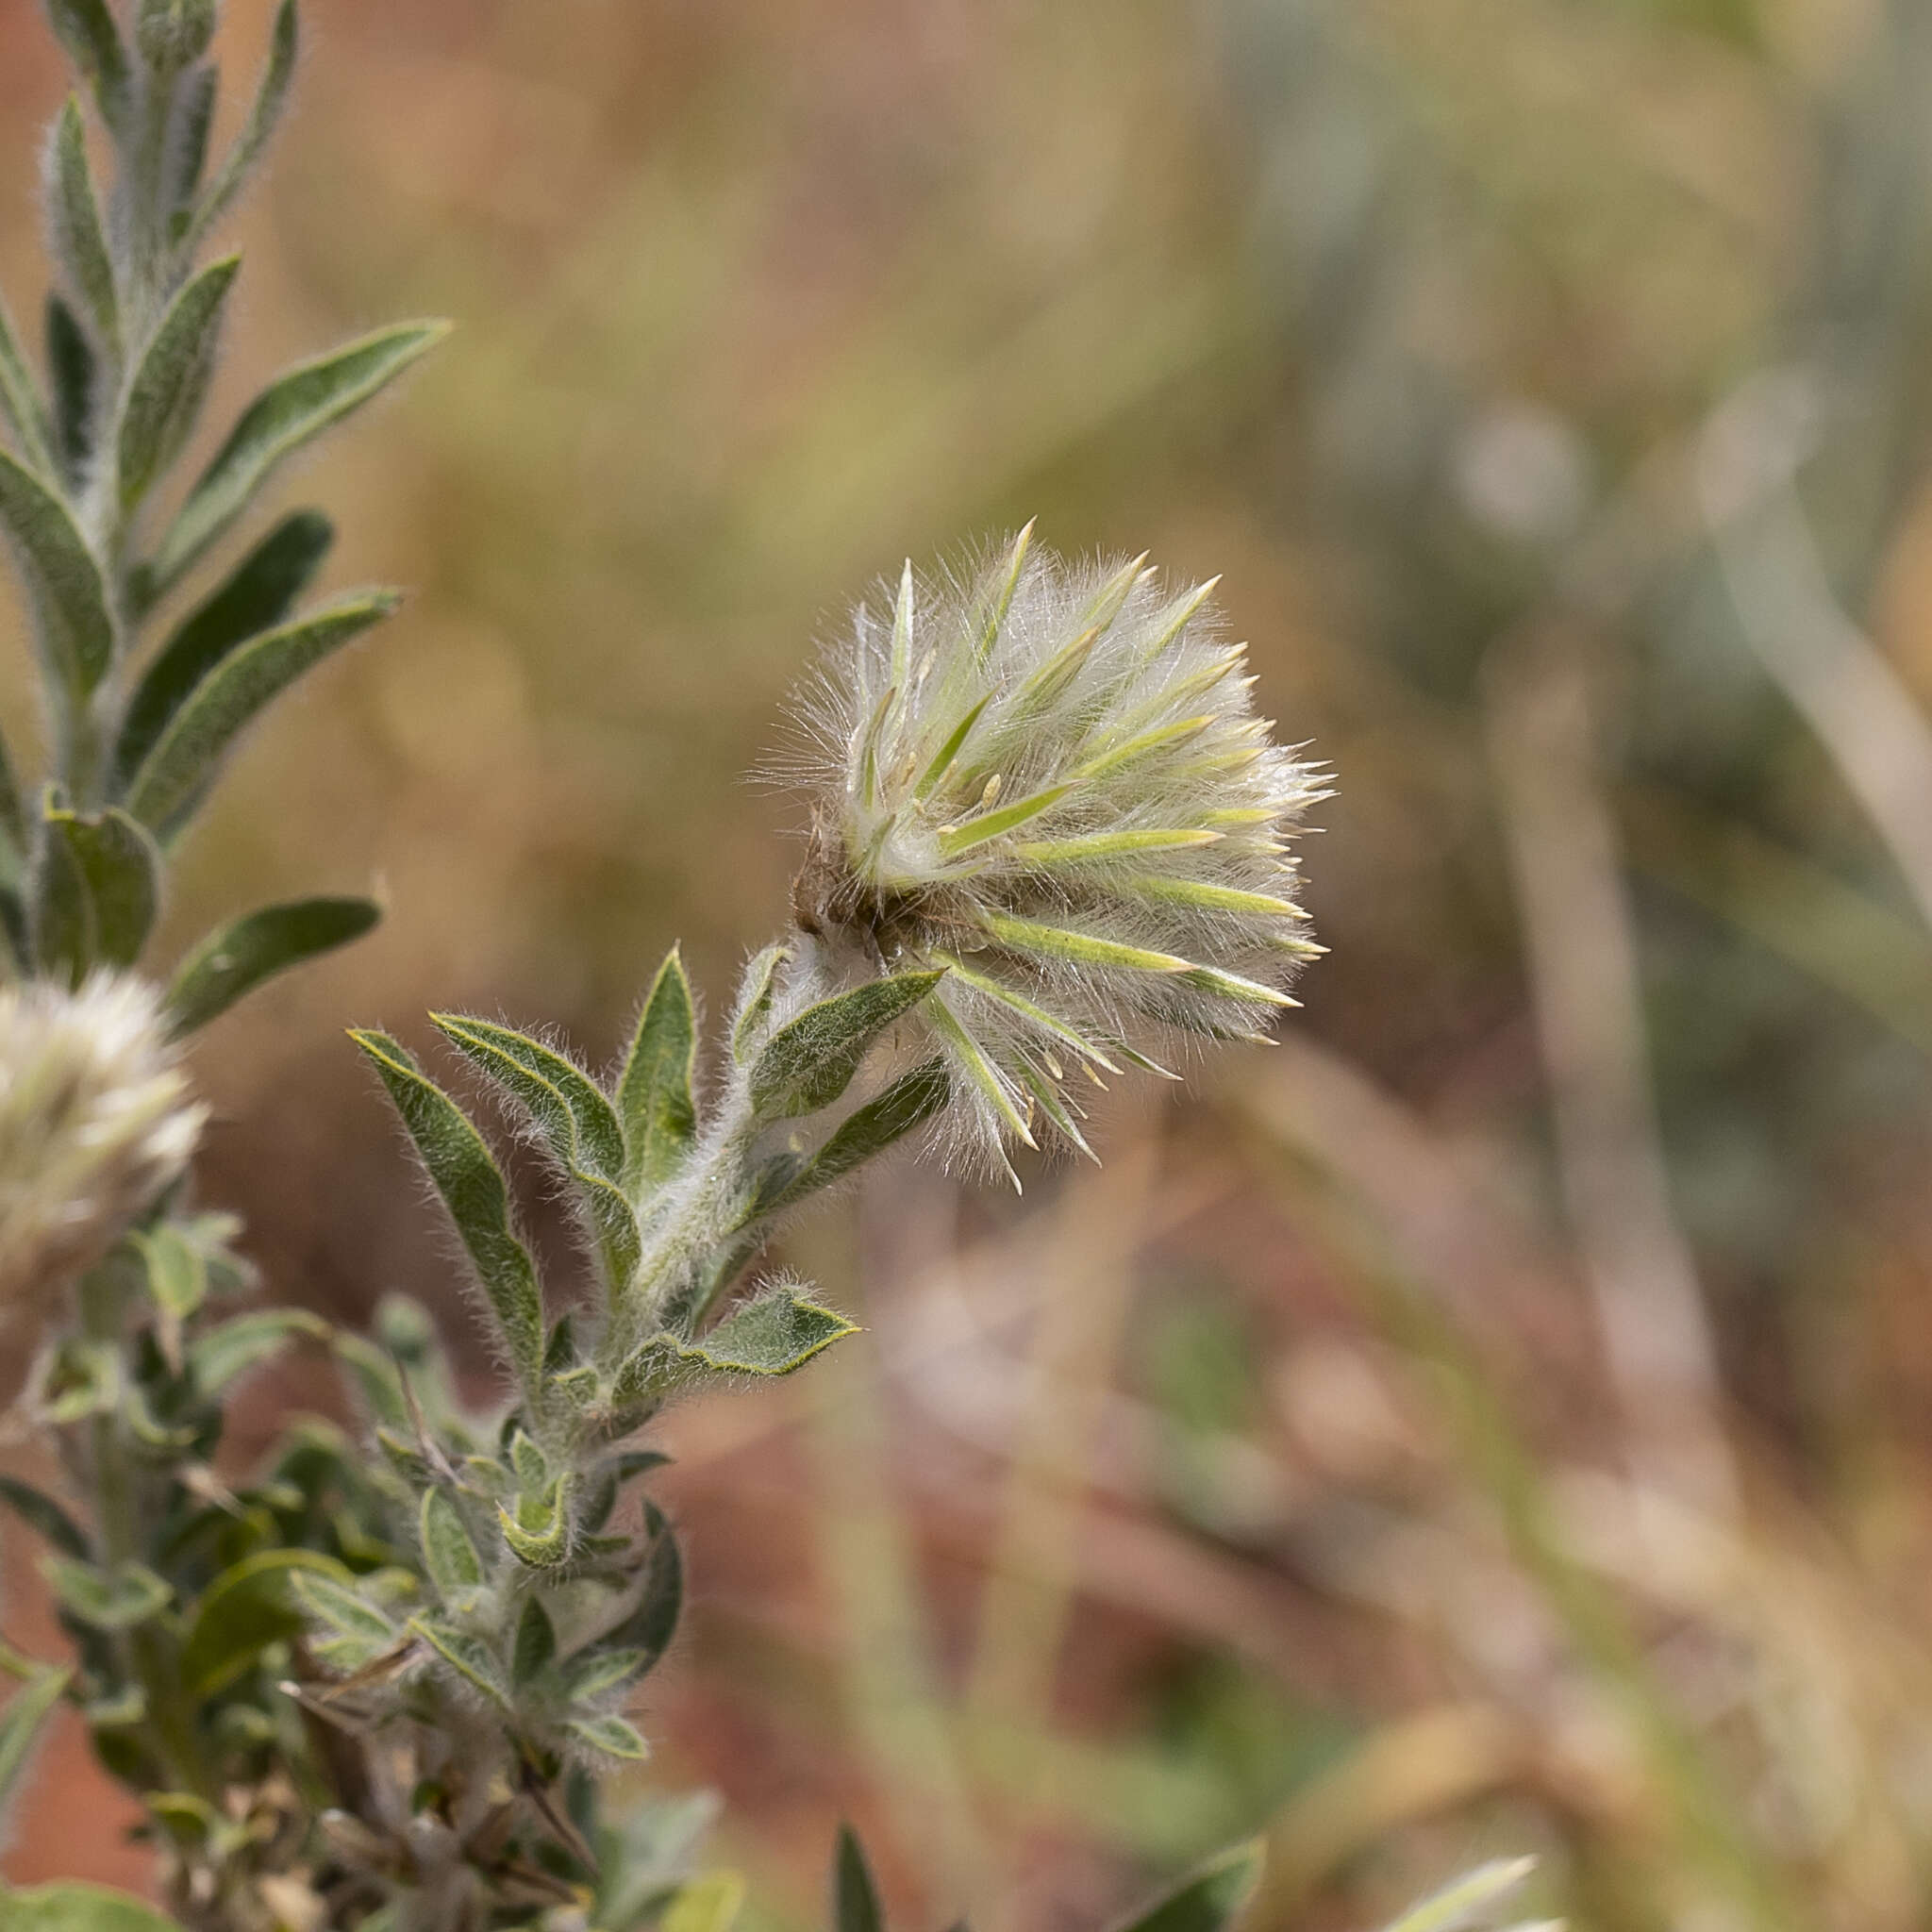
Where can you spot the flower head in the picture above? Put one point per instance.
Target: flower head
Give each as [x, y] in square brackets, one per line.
[1048, 780]
[95, 1121]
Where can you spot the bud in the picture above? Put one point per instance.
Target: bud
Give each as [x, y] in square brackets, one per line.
[1049, 780]
[174, 34]
[95, 1123]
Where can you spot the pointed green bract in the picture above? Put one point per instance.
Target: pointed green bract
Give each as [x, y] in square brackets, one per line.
[854, 1892]
[756, 995]
[235, 958]
[654, 1093]
[577, 1123]
[257, 596]
[979, 1069]
[174, 777]
[1079, 949]
[809, 1063]
[293, 410]
[64, 585]
[1037, 1016]
[74, 220]
[166, 394]
[473, 1190]
[1207, 1902]
[992, 825]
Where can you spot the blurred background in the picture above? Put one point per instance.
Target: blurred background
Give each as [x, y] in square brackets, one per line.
[1497, 1419]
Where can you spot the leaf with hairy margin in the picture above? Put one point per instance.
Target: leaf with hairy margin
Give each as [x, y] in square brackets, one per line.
[171, 381]
[294, 409]
[72, 370]
[235, 958]
[250, 1606]
[86, 29]
[78, 236]
[810, 1061]
[98, 891]
[64, 582]
[654, 1093]
[218, 1355]
[907, 1105]
[177, 773]
[449, 1553]
[473, 1190]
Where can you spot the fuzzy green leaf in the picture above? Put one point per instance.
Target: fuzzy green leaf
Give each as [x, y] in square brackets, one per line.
[1058, 942]
[471, 1188]
[907, 1104]
[74, 219]
[271, 97]
[535, 1644]
[773, 1334]
[989, 826]
[21, 414]
[539, 1534]
[854, 1892]
[176, 1270]
[294, 409]
[218, 1355]
[166, 394]
[69, 1907]
[468, 1655]
[578, 1124]
[449, 1553]
[19, 1723]
[609, 1736]
[172, 778]
[237, 958]
[72, 370]
[649, 1626]
[86, 29]
[755, 993]
[256, 596]
[115, 1599]
[1208, 1901]
[99, 887]
[250, 1606]
[47, 1518]
[598, 1672]
[654, 1093]
[63, 583]
[810, 1061]
[187, 131]
[355, 1630]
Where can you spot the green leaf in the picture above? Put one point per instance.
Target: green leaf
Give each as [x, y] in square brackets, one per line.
[221, 1355]
[15, 839]
[473, 1190]
[256, 596]
[756, 993]
[1208, 1901]
[176, 1270]
[812, 1060]
[250, 1606]
[98, 891]
[907, 1104]
[291, 410]
[539, 1533]
[535, 1644]
[172, 778]
[774, 1334]
[597, 1672]
[187, 131]
[115, 1599]
[654, 1093]
[468, 1655]
[236, 958]
[19, 1723]
[271, 96]
[63, 583]
[355, 1631]
[74, 219]
[68, 1906]
[73, 373]
[449, 1553]
[710, 1904]
[578, 1124]
[854, 1893]
[166, 393]
[21, 414]
[611, 1736]
[45, 1516]
[649, 1626]
[86, 29]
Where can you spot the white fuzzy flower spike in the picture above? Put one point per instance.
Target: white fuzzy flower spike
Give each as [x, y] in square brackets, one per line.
[1048, 779]
[95, 1121]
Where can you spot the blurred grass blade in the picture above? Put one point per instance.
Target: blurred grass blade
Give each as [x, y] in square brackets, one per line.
[854, 1893]
[19, 1723]
[1208, 1901]
[1470, 1903]
[293, 410]
[174, 777]
[235, 958]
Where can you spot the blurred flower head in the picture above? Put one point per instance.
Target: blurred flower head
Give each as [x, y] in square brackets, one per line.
[1048, 779]
[95, 1121]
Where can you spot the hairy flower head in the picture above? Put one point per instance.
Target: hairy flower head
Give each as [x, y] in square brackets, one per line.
[1048, 780]
[95, 1121]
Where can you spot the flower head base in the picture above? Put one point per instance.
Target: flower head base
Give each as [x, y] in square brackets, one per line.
[95, 1123]
[1048, 780]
